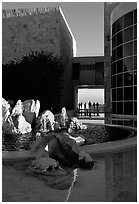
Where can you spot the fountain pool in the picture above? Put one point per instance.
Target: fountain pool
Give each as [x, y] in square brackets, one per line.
[113, 178]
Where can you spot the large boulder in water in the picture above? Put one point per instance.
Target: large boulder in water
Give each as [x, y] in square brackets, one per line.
[45, 122]
[30, 110]
[5, 110]
[19, 120]
[49, 170]
[64, 149]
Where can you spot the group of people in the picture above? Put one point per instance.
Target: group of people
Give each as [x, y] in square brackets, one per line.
[92, 107]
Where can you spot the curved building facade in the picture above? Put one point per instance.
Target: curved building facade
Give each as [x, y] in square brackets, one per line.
[124, 63]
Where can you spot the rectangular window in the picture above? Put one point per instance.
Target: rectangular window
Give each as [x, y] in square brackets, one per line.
[128, 34]
[120, 38]
[113, 55]
[135, 16]
[119, 80]
[135, 47]
[128, 78]
[135, 62]
[113, 70]
[135, 108]
[119, 108]
[113, 107]
[128, 49]
[128, 93]
[128, 19]
[119, 94]
[135, 92]
[135, 31]
[114, 41]
[120, 52]
[119, 25]
[113, 28]
[135, 77]
[128, 64]
[128, 108]
[119, 66]
[113, 81]
[114, 94]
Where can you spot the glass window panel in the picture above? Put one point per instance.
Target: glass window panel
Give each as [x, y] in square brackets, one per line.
[135, 77]
[135, 31]
[114, 41]
[119, 66]
[128, 49]
[135, 16]
[135, 47]
[128, 34]
[119, 94]
[135, 62]
[128, 108]
[114, 94]
[135, 92]
[113, 71]
[128, 93]
[120, 52]
[128, 19]
[120, 24]
[119, 38]
[119, 108]
[114, 28]
[135, 108]
[128, 78]
[113, 107]
[113, 55]
[119, 80]
[128, 64]
[113, 81]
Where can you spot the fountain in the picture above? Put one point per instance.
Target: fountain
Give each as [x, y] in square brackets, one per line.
[44, 168]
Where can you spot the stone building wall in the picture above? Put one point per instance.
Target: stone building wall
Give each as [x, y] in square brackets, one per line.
[26, 30]
[108, 8]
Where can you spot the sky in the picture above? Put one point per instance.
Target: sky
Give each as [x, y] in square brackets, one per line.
[93, 95]
[85, 20]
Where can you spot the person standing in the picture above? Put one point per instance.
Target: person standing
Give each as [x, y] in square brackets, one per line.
[97, 105]
[84, 109]
[89, 104]
[81, 108]
[94, 107]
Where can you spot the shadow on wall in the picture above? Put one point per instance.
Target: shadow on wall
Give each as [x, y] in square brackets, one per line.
[37, 76]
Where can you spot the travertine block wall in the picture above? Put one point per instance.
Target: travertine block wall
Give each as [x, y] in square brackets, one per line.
[22, 34]
[26, 30]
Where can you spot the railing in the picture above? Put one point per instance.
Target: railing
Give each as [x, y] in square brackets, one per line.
[90, 111]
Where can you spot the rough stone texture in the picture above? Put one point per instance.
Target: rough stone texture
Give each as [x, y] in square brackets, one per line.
[45, 122]
[5, 110]
[63, 149]
[26, 30]
[30, 110]
[108, 8]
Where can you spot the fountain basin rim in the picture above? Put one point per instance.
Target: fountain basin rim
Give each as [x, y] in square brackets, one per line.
[99, 148]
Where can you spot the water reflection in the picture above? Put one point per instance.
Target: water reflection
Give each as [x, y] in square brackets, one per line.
[113, 179]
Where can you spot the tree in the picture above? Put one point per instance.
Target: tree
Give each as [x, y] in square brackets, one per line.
[36, 75]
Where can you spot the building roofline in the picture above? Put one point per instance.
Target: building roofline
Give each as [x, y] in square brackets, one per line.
[74, 41]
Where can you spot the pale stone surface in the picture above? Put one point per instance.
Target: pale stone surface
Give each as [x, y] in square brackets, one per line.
[5, 110]
[64, 117]
[8, 127]
[22, 125]
[45, 121]
[29, 110]
[18, 109]
[16, 123]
